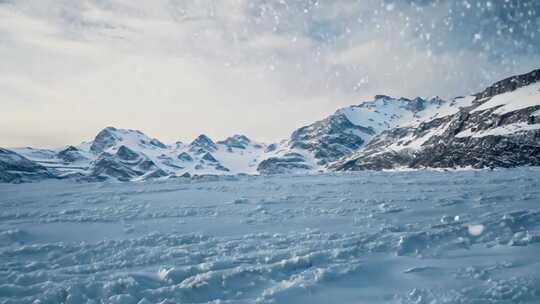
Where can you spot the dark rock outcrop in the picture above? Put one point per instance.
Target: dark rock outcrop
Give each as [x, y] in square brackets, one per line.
[126, 154]
[509, 84]
[71, 154]
[15, 168]
[202, 144]
[330, 139]
[220, 167]
[288, 163]
[105, 139]
[469, 138]
[236, 141]
[185, 157]
[209, 158]
[348, 130]
[113, 166]
[111, 137]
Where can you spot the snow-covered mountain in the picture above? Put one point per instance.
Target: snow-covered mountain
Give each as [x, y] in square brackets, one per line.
[15, 168]
[314, 147]
[128, 155]
[499, 127]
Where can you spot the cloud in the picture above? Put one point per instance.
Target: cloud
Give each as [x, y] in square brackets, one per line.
[175, 69]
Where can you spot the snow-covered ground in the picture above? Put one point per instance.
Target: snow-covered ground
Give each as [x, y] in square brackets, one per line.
[368, 237]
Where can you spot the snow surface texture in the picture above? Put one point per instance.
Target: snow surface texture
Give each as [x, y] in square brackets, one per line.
[369, 237]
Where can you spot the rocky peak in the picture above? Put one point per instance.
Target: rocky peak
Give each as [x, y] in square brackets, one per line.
[236, 141]
[112, 137]
[466, 137]
[70, 149]
[415, 105]
[70, 154]
[419, 104]
[436, 100]
[382, 97]
[105, 139]
[330, 138]
[509, 84]
[203, 142]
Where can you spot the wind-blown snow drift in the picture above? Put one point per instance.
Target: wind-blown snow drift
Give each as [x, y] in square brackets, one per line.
[369, 237]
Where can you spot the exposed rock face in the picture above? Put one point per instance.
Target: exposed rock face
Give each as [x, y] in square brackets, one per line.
[510, 84]
[125, 153]
[169, 162]
[185, 157]
[222, 168]
[156, 143]
[236, 141]
[499, 127]
[330, 139]
[15, 168]
[209, 157]
[111, 137]
[344, 132]
[203, 144]
[288, 163]
[155, 174]
[125, 166]
[478, 136]
[71, 154]
[271, 148]
[483, 148]
[327, 140]
[209, 161]
[105, 139]
[109, 166]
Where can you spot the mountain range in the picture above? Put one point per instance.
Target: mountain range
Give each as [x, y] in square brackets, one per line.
[498, 127]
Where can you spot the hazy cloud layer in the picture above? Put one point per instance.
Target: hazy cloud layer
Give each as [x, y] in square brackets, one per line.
[175, 69]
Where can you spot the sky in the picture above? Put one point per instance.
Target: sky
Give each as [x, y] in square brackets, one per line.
[175, 69]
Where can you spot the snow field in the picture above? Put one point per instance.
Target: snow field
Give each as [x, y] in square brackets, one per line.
[369, 237]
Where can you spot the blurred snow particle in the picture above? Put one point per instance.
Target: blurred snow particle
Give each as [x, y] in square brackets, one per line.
[446, 219]
[476, 230]
[477, 37]
[164, 273]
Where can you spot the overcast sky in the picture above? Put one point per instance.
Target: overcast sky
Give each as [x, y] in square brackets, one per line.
[178, 68]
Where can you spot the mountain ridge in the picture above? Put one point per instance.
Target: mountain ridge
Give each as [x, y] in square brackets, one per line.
[497, 127]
